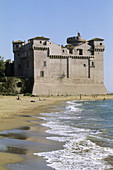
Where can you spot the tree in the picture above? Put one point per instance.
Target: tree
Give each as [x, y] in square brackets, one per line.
[2, 67]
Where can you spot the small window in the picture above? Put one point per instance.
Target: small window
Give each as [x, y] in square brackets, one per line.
[92, 52]
[100, 43]
[42, 74]
[71, 51]
[45, 43]
[80, 52]
[40, 42]
[84, 65]
[63, 51]
[44, 63]
[93, 64]
[48, 52]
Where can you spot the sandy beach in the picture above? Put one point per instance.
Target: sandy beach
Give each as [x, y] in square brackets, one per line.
[14, 113]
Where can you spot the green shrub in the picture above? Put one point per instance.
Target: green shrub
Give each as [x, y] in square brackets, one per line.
[27, 94]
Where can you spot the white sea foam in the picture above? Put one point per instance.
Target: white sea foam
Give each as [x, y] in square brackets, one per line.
[73, 109]
[73, 106]
[74, 117]
[76, 156]
[74, 103]
[79, 153]
[83, 154]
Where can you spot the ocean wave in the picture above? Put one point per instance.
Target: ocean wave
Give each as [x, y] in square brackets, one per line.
[73, 108]
[82, 155]
[74, 103]
[79, 152]
[74, 117]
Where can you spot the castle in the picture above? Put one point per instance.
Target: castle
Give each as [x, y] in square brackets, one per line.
[76, 68]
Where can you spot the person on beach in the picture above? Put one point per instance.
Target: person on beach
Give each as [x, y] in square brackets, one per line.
[18, 98]
[104, 99]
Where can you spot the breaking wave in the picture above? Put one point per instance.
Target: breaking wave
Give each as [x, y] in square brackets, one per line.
[79, 152]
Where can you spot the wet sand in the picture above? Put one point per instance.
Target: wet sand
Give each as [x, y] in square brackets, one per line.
[23, 113]
[25, 141]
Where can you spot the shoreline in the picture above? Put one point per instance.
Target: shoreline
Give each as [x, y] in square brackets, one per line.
[14, 114]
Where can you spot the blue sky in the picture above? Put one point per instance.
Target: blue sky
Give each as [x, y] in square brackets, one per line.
[58, 19]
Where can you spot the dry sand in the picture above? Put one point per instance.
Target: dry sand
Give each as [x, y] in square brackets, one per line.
[11, 109]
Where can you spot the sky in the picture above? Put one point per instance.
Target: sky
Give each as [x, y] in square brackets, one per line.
[57, 20]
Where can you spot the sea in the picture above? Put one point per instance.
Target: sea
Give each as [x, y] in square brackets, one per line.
[86, 130]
